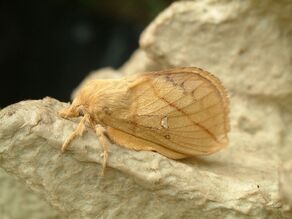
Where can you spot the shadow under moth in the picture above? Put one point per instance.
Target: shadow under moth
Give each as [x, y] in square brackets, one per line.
[179, 113]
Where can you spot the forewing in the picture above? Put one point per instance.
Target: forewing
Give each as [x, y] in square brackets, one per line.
[184, 110]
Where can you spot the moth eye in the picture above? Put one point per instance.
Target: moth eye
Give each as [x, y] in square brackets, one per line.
[80, 112]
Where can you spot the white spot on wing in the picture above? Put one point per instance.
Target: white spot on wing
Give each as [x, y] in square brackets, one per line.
[164, 122]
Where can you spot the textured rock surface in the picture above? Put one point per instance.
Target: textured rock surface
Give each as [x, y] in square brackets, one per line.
[139, 62]
[285, 184]
[235, 182]
[18, 202]
[247, 44]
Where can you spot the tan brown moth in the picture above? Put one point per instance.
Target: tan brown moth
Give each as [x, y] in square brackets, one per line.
[180, 112]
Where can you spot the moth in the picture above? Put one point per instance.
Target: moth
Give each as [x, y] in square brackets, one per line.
[179, 113]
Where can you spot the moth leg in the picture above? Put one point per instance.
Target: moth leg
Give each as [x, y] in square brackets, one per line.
[100, 133]
[77, 132]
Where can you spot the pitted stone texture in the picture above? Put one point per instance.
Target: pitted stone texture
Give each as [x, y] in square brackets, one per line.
[285, 184]
[236, 182]
[139, 62]
[18, 202]
[248, 44]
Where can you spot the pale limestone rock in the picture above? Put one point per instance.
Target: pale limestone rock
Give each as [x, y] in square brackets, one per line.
[248, 44]
[139, 62]
[285, 185]
[286, 146]
[236, 182]
[18, 202]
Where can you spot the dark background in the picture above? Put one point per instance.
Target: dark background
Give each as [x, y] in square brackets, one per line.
[48, 47]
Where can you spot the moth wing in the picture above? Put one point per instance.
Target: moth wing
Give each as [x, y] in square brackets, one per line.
[182, 110]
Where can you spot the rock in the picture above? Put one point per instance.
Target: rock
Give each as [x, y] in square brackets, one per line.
[285, 183]
[18, 202]
[234, 182]
[248, 44]
[139, 62]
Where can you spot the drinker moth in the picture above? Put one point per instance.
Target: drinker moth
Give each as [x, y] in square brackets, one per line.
[180, 112]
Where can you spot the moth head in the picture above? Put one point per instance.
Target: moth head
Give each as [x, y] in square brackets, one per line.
[76, 109]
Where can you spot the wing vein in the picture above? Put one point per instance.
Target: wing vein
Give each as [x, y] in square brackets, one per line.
[156, 92]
